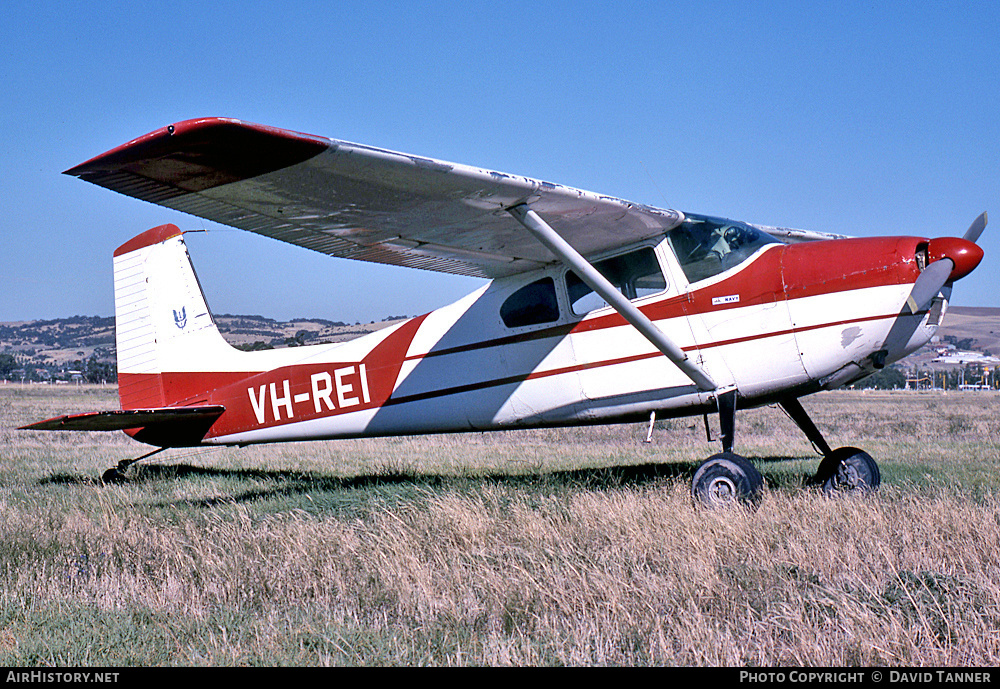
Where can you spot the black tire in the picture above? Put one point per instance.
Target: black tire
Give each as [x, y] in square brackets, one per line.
[725, 480]
[849, 470]
[113, 475]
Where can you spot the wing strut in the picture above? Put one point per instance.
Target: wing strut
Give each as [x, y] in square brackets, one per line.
[597, 282]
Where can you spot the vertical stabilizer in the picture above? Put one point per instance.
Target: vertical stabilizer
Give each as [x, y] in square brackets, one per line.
[162, 322]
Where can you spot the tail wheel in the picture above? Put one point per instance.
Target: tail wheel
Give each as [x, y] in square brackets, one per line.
[113, 475]
[726, 479]
[848, 469]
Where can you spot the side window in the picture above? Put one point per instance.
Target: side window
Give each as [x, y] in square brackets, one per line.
[532, 304]
[636, 274]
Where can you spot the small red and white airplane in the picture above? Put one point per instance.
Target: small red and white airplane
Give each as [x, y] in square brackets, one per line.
[597, 311]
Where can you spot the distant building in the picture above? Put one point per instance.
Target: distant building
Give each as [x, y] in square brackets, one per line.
[957, 357]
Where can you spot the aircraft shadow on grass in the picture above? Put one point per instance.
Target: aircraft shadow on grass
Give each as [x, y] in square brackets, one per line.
[283, 483]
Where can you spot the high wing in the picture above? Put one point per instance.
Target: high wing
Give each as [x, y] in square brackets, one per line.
[354, 201]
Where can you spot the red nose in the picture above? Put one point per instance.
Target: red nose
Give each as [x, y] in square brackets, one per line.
[964, 254]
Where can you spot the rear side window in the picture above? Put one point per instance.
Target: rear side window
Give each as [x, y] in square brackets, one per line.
[636, 274]
[533, 304]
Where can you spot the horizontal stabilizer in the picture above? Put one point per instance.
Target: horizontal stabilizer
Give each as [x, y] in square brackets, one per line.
[165, 426]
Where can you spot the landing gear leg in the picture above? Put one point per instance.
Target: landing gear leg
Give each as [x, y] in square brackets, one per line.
[794, 409]
[845, 469]
[116, 474]
[727, 479]
[727, 419]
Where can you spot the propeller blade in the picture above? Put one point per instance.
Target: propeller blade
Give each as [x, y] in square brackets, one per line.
[976, 228]
[929, 283]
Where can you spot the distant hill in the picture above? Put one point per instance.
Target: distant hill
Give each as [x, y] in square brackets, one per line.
[250, 331]
[980, 324]
[55, 349]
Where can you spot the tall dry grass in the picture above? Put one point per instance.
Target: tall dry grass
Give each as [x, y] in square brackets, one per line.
[396, 552]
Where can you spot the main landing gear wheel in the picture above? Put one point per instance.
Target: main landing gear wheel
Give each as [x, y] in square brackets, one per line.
[848, 470]
[725, 480]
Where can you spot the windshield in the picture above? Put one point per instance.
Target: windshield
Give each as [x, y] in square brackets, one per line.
[708, 246]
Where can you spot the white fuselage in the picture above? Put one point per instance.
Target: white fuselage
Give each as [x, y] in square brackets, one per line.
[760, 326]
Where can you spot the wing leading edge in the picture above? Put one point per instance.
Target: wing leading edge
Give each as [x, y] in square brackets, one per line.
[125, 419]
[354, 201]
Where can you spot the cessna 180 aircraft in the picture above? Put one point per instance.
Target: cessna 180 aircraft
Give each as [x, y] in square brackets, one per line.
[596, 311]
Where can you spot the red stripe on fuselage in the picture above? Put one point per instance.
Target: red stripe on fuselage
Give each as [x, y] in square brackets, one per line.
[793, 271]
[784, 272]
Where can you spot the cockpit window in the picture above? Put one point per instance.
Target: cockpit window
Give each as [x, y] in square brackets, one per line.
[532, 304]
[708, 246]
[635, 274]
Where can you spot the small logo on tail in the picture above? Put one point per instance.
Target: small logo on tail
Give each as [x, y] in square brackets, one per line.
[181, 319]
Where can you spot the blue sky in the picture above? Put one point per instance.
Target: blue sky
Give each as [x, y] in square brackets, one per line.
[862, 118]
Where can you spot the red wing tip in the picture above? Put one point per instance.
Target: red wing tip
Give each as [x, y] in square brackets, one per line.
[170, 129]
[199, 129]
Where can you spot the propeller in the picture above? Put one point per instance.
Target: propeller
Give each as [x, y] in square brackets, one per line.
[949, 259]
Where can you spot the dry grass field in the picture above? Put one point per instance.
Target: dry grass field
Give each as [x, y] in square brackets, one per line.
[557, 547]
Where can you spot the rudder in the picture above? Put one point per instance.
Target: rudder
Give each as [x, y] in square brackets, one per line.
[162, 321]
